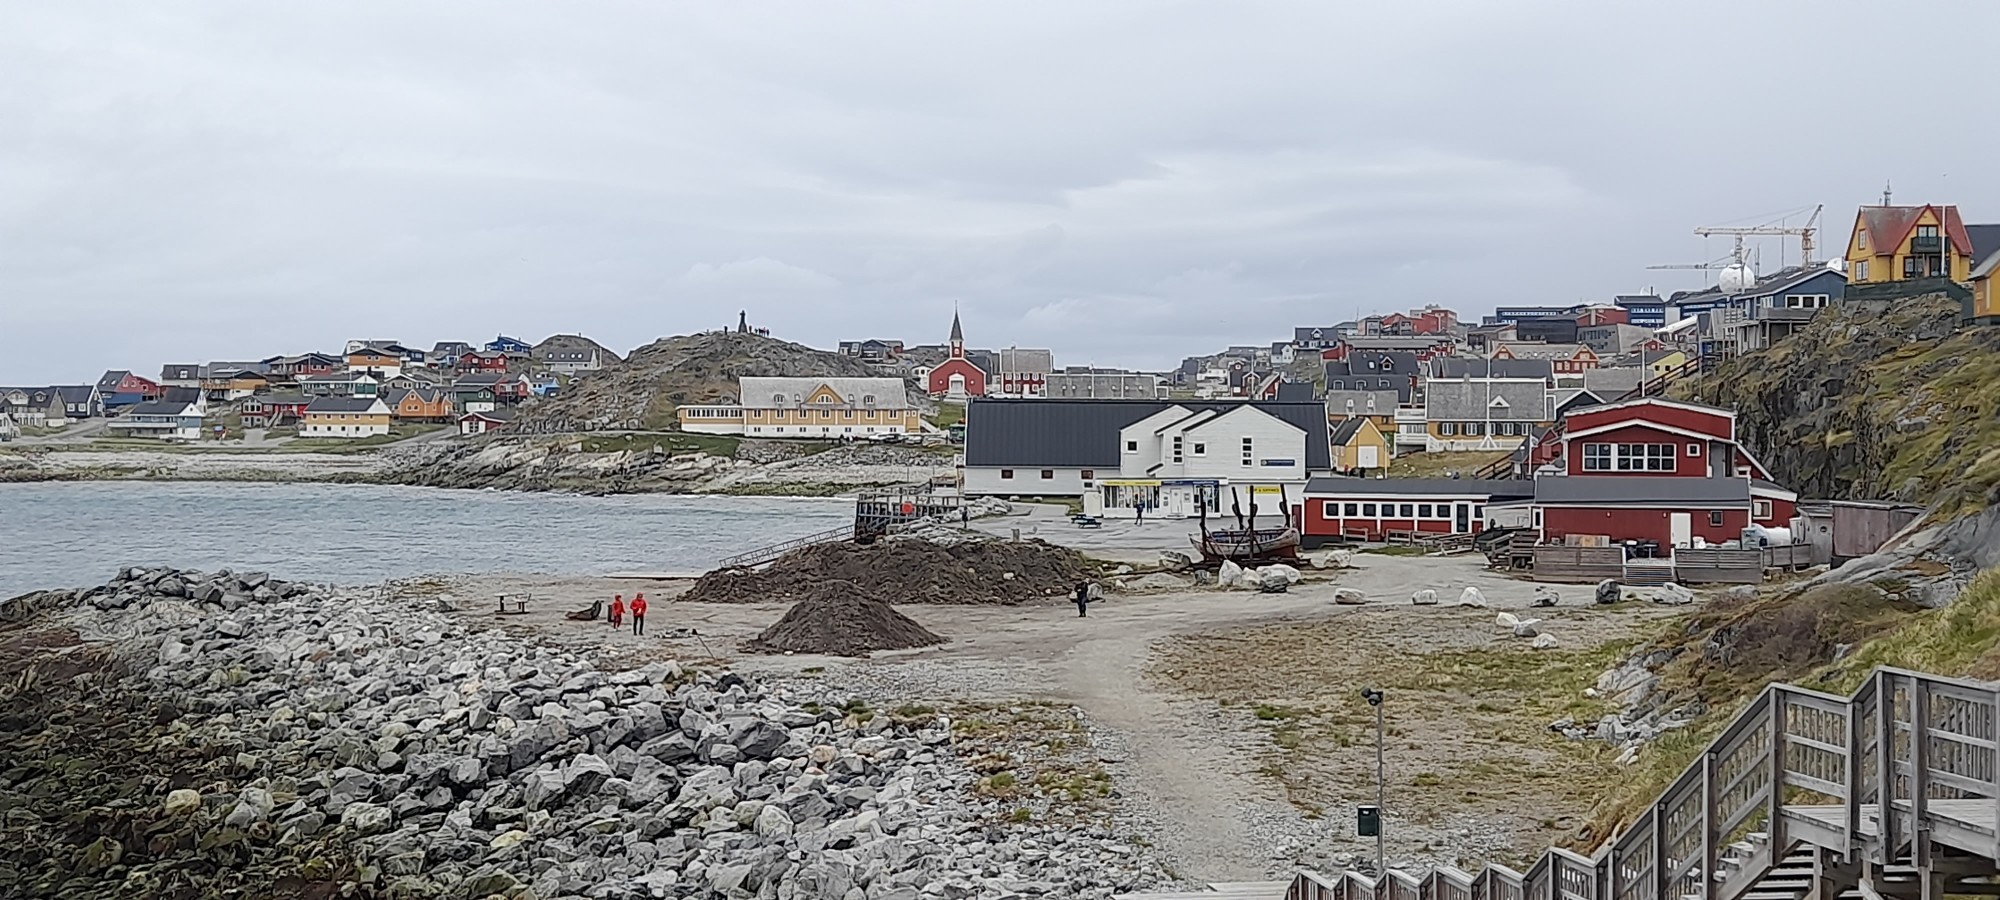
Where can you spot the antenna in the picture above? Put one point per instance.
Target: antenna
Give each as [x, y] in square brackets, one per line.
[1885, 193]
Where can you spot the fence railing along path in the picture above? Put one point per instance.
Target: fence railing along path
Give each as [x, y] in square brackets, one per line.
[762, 555]
[1892, 792]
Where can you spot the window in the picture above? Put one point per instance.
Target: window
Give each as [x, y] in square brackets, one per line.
[847, 414]
[1423, 510]
[1006, 474]
[1641, 457]
[1177, 448]
[1249, 451]
[1860, 240]
[1475, 428]
[1200, 449]
[1694, 450]
[1048, 474]
[1597, 457]
[1805, 301]
[1368, 510]
[1406, 511]
[1861, 270]
[1448, 429]
[1910, 267]
[1760, 509]
[1352, 510]
[777, 399]
[1131, 446]
[1715, 519]
[867, 399]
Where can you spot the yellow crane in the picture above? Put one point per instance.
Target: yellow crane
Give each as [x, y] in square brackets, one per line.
[1805, 234]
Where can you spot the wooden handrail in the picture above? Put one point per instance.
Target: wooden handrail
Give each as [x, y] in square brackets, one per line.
[1900, 744]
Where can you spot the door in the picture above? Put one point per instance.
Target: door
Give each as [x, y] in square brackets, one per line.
[1680, 529]
[1462, 513]
[1369, 457]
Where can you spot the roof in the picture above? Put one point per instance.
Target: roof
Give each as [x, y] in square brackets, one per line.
[111, 378]
[1473, 401]
[1889, 226]
[425, 394]
[338, 377]
[342, 404]
[76, 393]
[181, 371]
[1539, 350]
[1295, 392]
[1425, 486]
[1385, 403]
[502, 414]
[1084, 433]
[1631, 300]
[483, 379]
[1640, 490]
[1612, 382]
[1789, 276]
[281, 399]
[157, 408]
[1347, 429]
[957, 332]
[756, 392]
[1985, 245]
[1456, 367]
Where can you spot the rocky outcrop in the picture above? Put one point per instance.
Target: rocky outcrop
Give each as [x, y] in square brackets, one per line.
[573, 463]
[454, 762]
[642, 391]
[1872, 401]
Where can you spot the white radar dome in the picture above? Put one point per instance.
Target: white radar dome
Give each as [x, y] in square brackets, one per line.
[1736, 277]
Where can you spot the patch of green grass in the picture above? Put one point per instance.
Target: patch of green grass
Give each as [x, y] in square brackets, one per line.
[671, 442]
[1019, 815]
[1271, 713]
[948, 414]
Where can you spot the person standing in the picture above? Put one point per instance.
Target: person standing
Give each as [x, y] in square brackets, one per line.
[1082, 599]
[639, 614]
[1139, 510]
[617, 610]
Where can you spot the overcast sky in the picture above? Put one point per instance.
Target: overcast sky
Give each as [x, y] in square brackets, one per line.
[1125, 182]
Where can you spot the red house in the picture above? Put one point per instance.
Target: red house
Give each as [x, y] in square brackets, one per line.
[1369, 509]
[956, 376]
[1603, 315]
[1656, 470]
[483, 361]
[1433, 320]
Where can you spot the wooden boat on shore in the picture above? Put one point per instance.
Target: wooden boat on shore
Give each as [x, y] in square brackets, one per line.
[1248, 545]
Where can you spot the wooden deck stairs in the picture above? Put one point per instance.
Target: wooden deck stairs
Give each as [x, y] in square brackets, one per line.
[1891, 793]
[769, 552]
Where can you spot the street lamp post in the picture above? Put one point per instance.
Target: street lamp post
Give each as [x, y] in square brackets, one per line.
[1374, 698]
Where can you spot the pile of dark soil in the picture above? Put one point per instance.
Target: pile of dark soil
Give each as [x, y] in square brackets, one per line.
[837, 619]
[907, 571]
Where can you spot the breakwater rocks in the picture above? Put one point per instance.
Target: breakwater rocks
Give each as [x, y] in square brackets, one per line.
[315, 742]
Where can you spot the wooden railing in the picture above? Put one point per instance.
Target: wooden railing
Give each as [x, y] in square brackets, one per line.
[1797, 768]
[765, 554]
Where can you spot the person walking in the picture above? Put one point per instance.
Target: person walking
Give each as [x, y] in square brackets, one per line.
[639, 614]
[1139, 510]
[1082, 599]
[617, 610]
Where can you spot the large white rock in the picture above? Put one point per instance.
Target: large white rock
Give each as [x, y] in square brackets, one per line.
[1527, 628]
[1544, 642]
[1425, 597]
[1229, 575]
[1349, 597]
[1506, 620]
[1471, 597]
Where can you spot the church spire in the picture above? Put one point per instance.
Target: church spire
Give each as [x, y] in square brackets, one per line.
[957, 337]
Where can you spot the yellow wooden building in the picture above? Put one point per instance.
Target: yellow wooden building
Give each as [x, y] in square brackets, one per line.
[809, 408]
[1359, 446]
[1902, 243]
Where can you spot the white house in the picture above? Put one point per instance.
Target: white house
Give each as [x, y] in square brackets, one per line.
[483, 422]
[174, 420]
[1172, 458]
[345, 417]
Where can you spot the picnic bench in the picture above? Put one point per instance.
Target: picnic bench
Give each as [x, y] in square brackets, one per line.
[518, 601]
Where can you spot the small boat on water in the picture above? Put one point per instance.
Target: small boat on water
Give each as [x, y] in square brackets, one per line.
[1247, 543]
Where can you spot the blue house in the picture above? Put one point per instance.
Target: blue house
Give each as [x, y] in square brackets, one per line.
[1643, 310]
[1510, 315]
[1765, 311]
[505, 344]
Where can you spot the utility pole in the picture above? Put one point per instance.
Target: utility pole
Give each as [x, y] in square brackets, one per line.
[1370, 821]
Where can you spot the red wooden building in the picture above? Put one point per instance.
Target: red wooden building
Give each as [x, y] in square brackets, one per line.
[956, 376]
[1371, 508]
[1656, 470]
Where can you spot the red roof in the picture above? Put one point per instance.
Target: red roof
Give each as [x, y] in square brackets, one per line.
[1889, 226]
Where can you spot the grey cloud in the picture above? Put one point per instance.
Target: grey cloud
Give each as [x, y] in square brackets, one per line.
[1125, 181]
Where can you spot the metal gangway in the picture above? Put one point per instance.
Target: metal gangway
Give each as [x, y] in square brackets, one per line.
[1890, 793]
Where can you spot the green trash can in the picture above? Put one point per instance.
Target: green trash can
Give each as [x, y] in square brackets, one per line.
[1367, 821]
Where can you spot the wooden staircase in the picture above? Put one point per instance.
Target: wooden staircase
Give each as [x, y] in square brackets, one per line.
[765, 554]
[1786, 804]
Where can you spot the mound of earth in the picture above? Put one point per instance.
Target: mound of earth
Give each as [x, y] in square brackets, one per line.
[906, 571]
[837, 619]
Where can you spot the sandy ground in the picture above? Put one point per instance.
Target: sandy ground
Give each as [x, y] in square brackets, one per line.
[1170, 684]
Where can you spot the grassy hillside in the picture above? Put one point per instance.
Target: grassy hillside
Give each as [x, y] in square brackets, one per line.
[1895, 405]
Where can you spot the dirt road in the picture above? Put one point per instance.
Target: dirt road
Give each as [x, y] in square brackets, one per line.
[1190, 764]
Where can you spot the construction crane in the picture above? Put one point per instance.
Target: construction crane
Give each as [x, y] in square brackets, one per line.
[1805, 234]
[1722, 263]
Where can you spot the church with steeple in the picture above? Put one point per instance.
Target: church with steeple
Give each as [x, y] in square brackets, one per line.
[956, 378]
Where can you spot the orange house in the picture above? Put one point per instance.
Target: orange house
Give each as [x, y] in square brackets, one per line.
[421, 405]
[375, 361]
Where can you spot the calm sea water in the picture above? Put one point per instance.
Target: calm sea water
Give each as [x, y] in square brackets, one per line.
[73, 534]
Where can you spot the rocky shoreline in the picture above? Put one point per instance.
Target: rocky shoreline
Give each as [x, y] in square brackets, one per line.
[303, 742]
[561, 464]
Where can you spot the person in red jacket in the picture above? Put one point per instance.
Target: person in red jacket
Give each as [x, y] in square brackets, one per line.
[639, 614]
[617, 610]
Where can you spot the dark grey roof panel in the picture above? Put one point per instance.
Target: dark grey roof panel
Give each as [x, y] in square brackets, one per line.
[1410, 486]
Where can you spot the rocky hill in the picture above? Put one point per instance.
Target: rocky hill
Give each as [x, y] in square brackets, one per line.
[1873, 401]
[642, 391]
